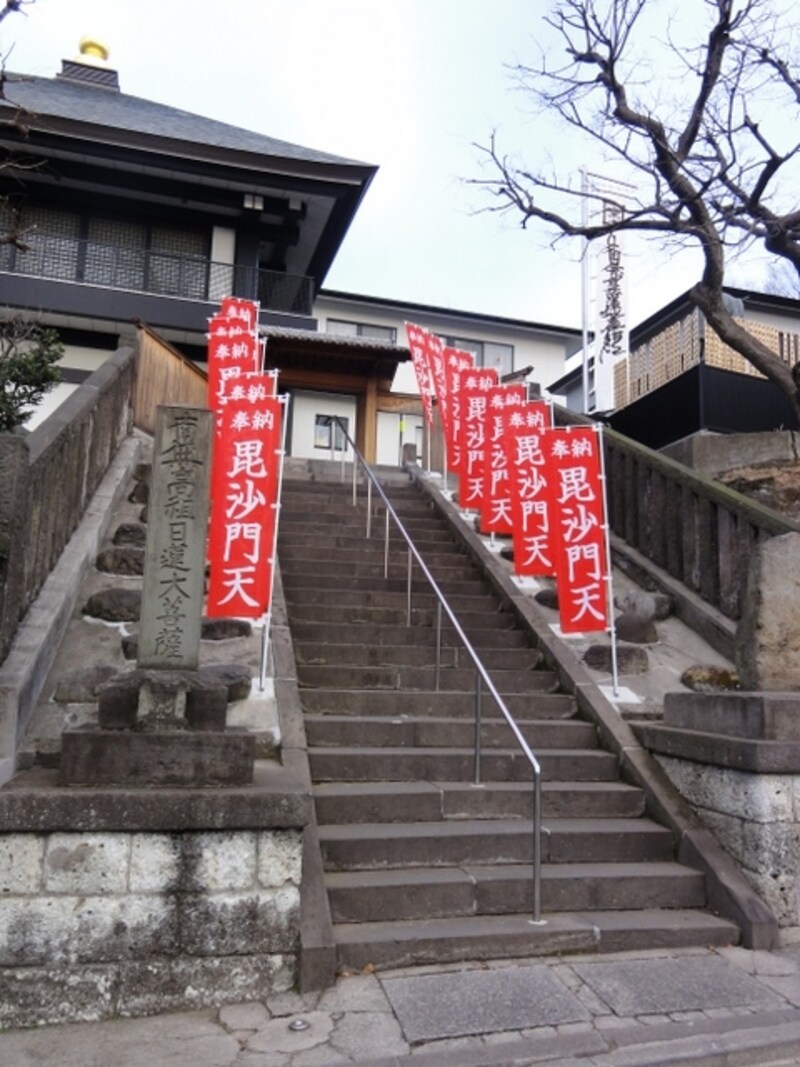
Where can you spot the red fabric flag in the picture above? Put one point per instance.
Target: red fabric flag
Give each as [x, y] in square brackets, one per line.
[496, 506]
[578, 506]
[232, 354]
[457, 364]
[418, 344]
[245, 470]
[532, 529]
[474, 409]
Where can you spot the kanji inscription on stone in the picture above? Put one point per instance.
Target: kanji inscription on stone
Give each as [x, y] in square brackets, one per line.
[177, 520]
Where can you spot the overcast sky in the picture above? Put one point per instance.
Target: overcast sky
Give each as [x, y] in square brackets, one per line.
[408, 85]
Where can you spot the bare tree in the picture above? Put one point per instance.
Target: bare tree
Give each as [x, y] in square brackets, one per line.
[11, 233]
[705, 130]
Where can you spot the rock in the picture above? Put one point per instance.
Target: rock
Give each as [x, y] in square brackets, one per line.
[206, 700]
[768, 635]
[548, 598]
[143, 515]
[507, 553]
[80, 685]
[143, 473]
[631, 659]
[114, 605]
[224, 629]
[140, 493]
[635, 624]
[130, 533]
[710, 679]
[121, 559]
[234, 676]
[130, 646]
[665, 605]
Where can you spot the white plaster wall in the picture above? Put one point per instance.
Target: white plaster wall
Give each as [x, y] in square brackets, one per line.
[305, 407]
[394, 431]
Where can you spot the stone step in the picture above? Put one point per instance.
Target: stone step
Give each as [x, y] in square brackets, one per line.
[296, 554]
[350, 802]
[454, 679]
[402, 732]
[367, 846]
[408, 655]
[439, 892]
[453, 705]
[332, 587]
[361, 592]
[321, 521]
[382, 945]
[472, 622]
[358, 764]
[390, 636]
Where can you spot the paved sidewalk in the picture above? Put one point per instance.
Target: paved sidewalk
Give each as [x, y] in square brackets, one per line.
[691, 1007]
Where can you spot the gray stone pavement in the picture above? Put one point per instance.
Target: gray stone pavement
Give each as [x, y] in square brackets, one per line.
[691, 1007]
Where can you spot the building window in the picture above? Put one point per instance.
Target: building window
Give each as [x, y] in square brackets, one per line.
[322, 432]
[487, 353]
[362, 329]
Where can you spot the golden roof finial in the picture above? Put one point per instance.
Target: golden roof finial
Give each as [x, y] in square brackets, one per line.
[93, 51]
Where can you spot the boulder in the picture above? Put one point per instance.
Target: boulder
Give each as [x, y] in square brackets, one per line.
[635, 625]
[114, 605]
[631, 659]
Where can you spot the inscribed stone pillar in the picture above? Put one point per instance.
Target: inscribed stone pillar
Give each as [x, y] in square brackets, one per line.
[177, 521]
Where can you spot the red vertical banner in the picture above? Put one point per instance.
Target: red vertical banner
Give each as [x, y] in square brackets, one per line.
[245, 474]
[233, 352]
[496, 506]
[474, 408]
[418, 345]
[577, 496]
[533, 530]
[457, 364]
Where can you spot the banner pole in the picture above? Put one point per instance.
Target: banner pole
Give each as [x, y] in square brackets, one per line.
[265, 636]
[612, 626]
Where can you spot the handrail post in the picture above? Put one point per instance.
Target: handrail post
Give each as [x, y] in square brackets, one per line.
[386, 548]
[438, 643]
[477, 778]
[369, 509]
[537, 845]
[408, 588]
[355, 481]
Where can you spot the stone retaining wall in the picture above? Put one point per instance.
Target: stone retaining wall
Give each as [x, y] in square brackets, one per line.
[98, 924]
[756, 818]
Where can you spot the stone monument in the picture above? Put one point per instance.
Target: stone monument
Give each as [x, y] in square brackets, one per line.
[164, 723]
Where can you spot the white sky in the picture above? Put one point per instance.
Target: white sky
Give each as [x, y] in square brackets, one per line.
[408, 85]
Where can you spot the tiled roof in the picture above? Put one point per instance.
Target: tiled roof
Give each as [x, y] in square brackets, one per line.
[65, 98]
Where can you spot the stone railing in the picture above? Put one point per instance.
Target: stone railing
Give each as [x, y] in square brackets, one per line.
[48, 477]
[695, 529]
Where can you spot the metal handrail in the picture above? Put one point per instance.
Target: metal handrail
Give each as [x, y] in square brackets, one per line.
[482, 676]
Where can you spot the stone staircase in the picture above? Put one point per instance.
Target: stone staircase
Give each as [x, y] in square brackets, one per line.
[420, 864]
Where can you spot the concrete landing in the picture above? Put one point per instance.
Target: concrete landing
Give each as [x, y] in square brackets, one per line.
[693, 1007]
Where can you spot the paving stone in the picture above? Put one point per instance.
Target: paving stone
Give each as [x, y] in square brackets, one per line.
[363, 1034]
[476, 1002]
[357, 993]
[277, 1037]
[249, 1016]
[642, 987]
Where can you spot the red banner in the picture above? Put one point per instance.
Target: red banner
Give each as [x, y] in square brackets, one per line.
[497, 490]
[418, 344]
[233, 352]
[457, 364]
[578, 502]
[245, 471]
[534, 550]
[473, 435]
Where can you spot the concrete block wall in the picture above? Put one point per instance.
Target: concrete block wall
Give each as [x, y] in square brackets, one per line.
[97, 924]
[756, 818]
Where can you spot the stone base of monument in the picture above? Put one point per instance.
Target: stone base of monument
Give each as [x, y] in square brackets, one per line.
[92, 757]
